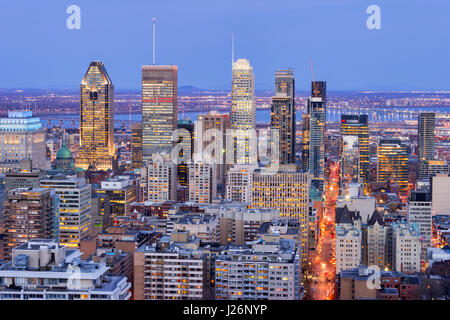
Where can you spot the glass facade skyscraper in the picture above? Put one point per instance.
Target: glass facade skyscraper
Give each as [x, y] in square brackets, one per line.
[97, 149]
[283, 115]
[358, 126]
[316, 108]
[393, 163]
[159, 109]
[243, 115]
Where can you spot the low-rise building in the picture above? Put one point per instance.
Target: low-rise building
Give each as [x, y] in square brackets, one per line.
[45, 270]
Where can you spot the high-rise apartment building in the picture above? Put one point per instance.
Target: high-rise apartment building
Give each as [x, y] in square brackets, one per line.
[27, 214]
[159, 179]
[97, 150]
[419, 211]
[393, 163]
[22, 137]
[267, 271]
[136, 146]
[305, 141]
[316, 107]
[282, 116]
[74, 208]
[426, 130]
[425, 143]
[170, 271]
[243, 112]
[159, 108]
[239, 186]
[406, 248]
[202, 182]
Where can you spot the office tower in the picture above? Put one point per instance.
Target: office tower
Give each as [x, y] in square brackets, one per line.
[406, 248]
[136, 146]
[159, 109]
[211, 131]
[440, 185]
[74, 208]
[393, 163]
[238, 223]
[349, 160]
[100, 215]
[316, 107]
[23, 177]
[43, 270]
[358, 126]
[22, 137]
[305, 142]
[287, 191]
[243, 112]
[239, 186]
[202, 182]
[170, 270]
[268, 271]
[97, 149]
[429, 168]
[28, 214]
[121, 193]
[419, 211]
[186, 151]
[283, 115]
[159, 179]
[375, 237]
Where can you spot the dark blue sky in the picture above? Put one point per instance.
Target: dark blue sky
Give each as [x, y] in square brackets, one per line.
[411, 51]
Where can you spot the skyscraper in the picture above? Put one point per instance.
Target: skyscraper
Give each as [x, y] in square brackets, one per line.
[425, 143]
[358, 126]
[97, 149]
[214, 142]
[186, 151]
[136, 146]
[159, 108]
[426, 137]
[317, 125]
[243, 113]
[283, 115]
[393, 163]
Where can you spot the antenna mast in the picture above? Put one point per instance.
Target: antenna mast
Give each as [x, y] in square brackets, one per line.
[154, 42]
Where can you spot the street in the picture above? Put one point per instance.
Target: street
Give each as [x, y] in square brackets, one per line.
[322, 285]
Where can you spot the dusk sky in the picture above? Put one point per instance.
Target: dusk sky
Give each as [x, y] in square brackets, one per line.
[411, 51]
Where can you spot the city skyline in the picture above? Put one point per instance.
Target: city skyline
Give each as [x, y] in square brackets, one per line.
[203, 40]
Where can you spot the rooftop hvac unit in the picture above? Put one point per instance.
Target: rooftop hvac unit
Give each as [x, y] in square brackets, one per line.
[21, 261]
